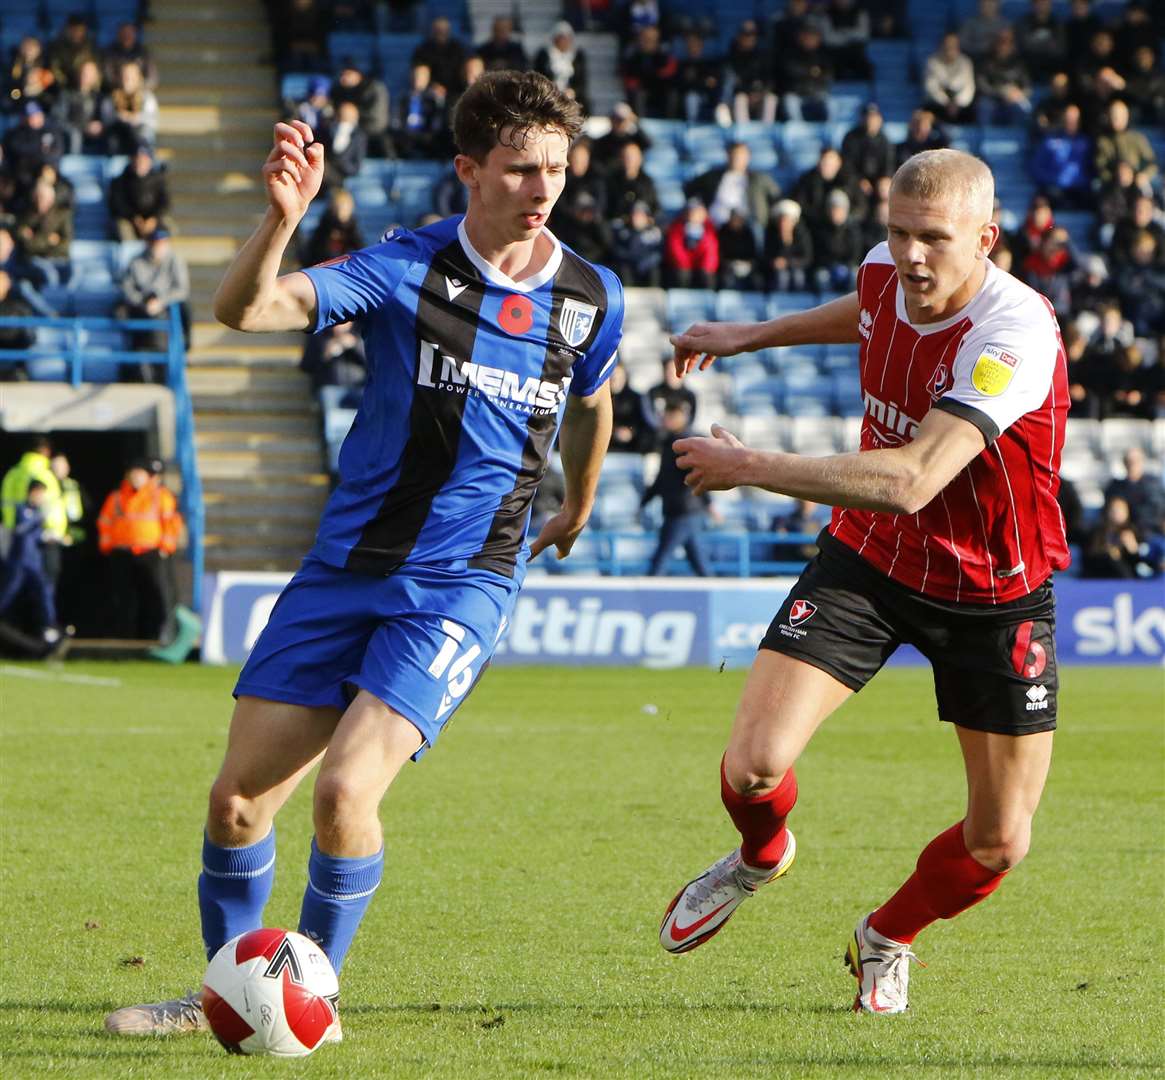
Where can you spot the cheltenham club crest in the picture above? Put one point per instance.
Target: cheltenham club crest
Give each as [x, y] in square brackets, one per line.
[575, 322]
[801, 611]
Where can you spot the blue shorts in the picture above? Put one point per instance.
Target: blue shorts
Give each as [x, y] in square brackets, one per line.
[416, 639]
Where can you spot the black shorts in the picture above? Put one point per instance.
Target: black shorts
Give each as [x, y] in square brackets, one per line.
[994, 664]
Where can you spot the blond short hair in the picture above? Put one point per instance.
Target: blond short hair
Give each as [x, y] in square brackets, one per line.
[950, 176]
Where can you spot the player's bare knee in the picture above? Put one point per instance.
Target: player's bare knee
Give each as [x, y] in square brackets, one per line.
[231, 817]
[338, 804]
[753, 776]
[1001, 849]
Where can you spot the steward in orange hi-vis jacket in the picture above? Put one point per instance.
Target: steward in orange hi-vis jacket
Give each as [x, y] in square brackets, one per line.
[138, 528]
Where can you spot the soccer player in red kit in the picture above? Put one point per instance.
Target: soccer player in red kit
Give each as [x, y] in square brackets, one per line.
[945, 534]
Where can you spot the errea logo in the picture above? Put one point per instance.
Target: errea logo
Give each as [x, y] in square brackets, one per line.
[508, 388]
[865, 323]
[1037, 698]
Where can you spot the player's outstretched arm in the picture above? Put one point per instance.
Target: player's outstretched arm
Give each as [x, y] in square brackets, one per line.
[835, 323]
[582, 444]
[252, 295]
[899, 480]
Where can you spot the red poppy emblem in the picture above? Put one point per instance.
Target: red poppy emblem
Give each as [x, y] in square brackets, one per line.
[516, 315]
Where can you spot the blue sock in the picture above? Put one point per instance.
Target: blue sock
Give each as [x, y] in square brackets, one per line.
[233, 889]
[337, 895]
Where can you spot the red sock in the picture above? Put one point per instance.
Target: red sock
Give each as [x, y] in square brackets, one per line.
[946, 881]
[761, 820]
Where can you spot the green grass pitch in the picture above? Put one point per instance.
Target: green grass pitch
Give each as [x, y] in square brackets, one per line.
[530, 858]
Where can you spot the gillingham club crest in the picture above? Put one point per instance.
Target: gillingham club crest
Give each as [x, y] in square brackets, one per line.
[576, 321]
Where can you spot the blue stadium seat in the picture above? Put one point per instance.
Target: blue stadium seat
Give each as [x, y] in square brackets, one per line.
[1081, 226]
[663, 132]
[780, 303]
[703, 141]
[840, 358]
[293, 85]
[732, 306]
[686, 306]
[431, 171]
[82, 166]
[47, 369]
[670, 192]
[997, 145]
[99, 302]
[801, 144]
[359, 46]
[662, 159]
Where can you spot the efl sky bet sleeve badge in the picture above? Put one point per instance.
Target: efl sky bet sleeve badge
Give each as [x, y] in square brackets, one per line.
[994, 370]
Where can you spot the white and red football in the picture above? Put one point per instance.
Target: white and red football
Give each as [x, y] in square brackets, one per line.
[270, 992]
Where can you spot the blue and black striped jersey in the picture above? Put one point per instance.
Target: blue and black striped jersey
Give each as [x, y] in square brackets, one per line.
[468, 372]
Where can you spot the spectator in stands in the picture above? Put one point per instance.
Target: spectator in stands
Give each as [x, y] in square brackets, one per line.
[153, 281]
[1039, 220]
[739, 255]
[565, 64]
[316, 110]
[805, 76]
[672, 391]
[139, 197]
[1143, 216]
[837, 246]
[44, 232]
[683, 510]
[70, 50]
[1143, 493]
[423, 119]
[735, 186]
[501, 52]
[978, 33]
[346, 146]
[1095, 92]
[796, 14]
[66, 194]
[633, 425]
[1083, 400]
[14, 306]
[922, 133]
[1073, 510]
[692, 248]
[1122, 143]
[816, 185]
[138, 529]
[625, 128]
[1049, 110]
[866, 151]
[300, 29]
[335, 357]
[1041, 40]
[135, 110]
[1092, 289]
[805, 518]
[749, 77]
[1140, 285]
[1002, 83]
[700, 84]
[22, 572]
[949, 82]
[1145, 88]
[583, 227]
[29, 76]
[581, 175]
[1080, 28]
[337, 233]
[1049, 269]
[1062, 163]
[85, 112]
[846, 38]
[788, 248]
[127, 48]
[637, 248]
[370, 96]
[1113, 548]
[31, 143]
[1139, 22]
[629, 184]
[648, 68]
[874, 227]
[443, 55]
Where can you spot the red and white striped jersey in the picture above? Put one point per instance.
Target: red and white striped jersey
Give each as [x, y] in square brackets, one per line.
[995, 533]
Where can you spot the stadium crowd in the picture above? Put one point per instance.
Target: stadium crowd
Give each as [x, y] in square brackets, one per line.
[66, 96]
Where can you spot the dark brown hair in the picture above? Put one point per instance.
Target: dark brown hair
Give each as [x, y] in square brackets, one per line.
[515, 102]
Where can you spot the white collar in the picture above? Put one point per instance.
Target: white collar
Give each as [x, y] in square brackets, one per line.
[950, 320]
[495, 276]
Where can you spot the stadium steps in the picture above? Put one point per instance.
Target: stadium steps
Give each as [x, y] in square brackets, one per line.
[257, 423]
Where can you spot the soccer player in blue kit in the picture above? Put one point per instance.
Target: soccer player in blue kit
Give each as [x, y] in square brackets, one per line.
[481, 333]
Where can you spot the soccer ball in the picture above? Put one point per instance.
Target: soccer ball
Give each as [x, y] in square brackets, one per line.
[270, 992]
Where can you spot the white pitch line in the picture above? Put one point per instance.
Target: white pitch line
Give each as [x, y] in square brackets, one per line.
[52, 676]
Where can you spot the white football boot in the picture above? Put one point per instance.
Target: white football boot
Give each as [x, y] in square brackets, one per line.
[183, 1016]
[882, 968]
[702, 907]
